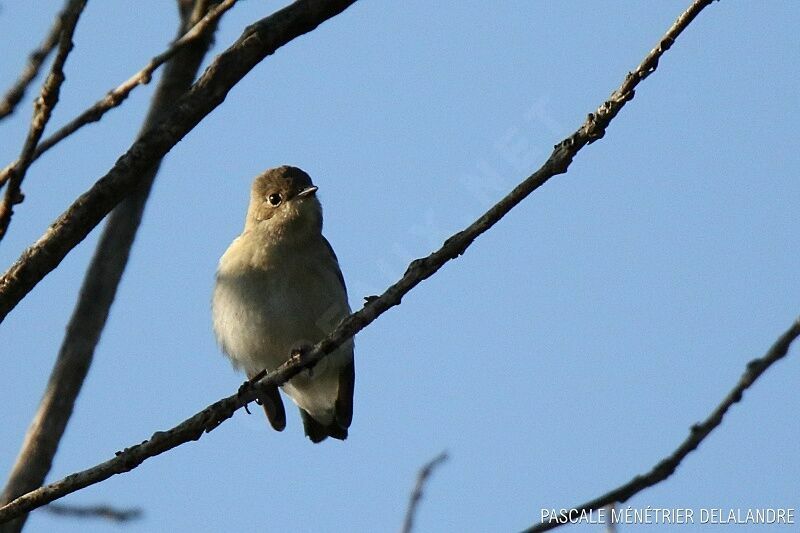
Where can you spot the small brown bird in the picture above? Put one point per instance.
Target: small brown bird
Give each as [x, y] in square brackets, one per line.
[279, 288]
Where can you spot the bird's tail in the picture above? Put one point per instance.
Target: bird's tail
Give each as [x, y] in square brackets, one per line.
[343, 410]
[318, 432]
[270, 399]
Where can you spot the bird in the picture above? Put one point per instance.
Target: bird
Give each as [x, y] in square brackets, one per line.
[279, 288]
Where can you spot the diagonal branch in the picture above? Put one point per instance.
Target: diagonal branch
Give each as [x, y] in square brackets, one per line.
[35, 60]
[420, 269]
[416, 494]
[43, 107]
[98, 290]
[257, 42]
[116, 96]
[697, 434]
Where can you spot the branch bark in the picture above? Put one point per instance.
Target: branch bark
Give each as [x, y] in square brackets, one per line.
[43, 107]
[97, 293]
[258, 41]
[698, 432]
[420, 269]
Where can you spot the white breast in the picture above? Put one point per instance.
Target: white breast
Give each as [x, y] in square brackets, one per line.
[270, 300]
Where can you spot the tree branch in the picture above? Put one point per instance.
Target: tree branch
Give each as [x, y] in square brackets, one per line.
[116, 96]
[420, 269]
[98, 289]
[698, 432]
[43, 106]
[95, 511]
[257, 42]
[416, 494]
[35, 60]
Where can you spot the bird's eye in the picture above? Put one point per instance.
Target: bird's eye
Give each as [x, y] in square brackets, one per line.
[274, 199]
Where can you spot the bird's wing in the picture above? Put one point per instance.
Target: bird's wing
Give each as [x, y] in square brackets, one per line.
[329, 248]
[344, 401]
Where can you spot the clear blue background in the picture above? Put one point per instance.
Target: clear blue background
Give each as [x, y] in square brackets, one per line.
[569, 349]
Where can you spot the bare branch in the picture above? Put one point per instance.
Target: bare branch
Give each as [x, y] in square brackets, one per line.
[35, 60]
[666, 467]
[98, 289]
[416, 495]
[257, 42]
[43, 106]
[420, 269]
[106, 512]
[116, 96]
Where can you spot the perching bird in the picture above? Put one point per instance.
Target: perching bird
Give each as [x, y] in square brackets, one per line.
[279, 288]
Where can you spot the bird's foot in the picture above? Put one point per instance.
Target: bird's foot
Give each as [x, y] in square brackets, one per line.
[248, 385]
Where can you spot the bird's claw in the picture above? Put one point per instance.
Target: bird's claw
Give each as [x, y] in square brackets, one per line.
[247, 386]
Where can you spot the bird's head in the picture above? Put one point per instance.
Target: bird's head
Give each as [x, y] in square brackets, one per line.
[283, 203]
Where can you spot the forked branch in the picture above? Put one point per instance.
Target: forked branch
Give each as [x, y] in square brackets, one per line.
[35, 60]
[43, 107]
[257, 42]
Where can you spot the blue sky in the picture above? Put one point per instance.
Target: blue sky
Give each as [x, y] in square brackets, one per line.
[568, 350]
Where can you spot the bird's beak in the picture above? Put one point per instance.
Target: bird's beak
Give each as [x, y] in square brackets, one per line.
[307, 192]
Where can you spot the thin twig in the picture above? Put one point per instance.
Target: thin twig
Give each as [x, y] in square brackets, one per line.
[106, 512]
[116, 96]
[698, 432]
[98, 289]
[420, 269]
[35, 60]
[416, 494]
[258, 41]
[43, 107]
